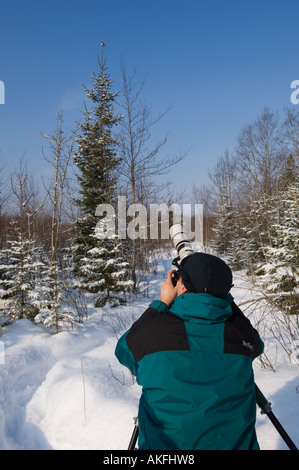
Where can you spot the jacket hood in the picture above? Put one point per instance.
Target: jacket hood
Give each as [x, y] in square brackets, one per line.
[202, 308]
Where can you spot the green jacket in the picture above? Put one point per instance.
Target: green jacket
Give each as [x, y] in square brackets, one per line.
[194, 362]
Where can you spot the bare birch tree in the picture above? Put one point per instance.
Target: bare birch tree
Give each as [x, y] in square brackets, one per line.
[27, 195]
[141, 159]
[61, 147]
[260, 156]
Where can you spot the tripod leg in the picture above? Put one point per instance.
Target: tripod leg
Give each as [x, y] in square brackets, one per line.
[281, 431]
[265, 406]
[134, 436]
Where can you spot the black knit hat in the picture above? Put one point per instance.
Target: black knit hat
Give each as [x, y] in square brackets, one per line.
[206, 273]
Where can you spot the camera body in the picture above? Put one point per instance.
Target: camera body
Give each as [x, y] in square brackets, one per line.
[183, 246]
[175, 277]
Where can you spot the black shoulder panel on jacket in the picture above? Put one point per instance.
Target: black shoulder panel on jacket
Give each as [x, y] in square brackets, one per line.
[157, 331]
[240, 337]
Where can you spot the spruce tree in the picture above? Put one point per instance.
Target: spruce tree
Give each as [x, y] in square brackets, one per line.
[96, 157]
[283, 254]
[52, 297]
[223, 229]
[96, 160]
[19, 274]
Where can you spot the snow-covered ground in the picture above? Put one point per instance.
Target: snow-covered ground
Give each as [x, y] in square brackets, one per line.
[67, 391]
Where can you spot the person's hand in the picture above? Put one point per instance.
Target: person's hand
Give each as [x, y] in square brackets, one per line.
[168, 291]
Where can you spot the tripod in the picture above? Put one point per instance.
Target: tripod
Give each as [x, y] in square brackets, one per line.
[263, 404]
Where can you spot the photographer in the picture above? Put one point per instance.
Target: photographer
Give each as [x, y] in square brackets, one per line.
[192, 352]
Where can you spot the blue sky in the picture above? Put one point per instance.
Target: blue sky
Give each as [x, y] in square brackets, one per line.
[217, 62]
